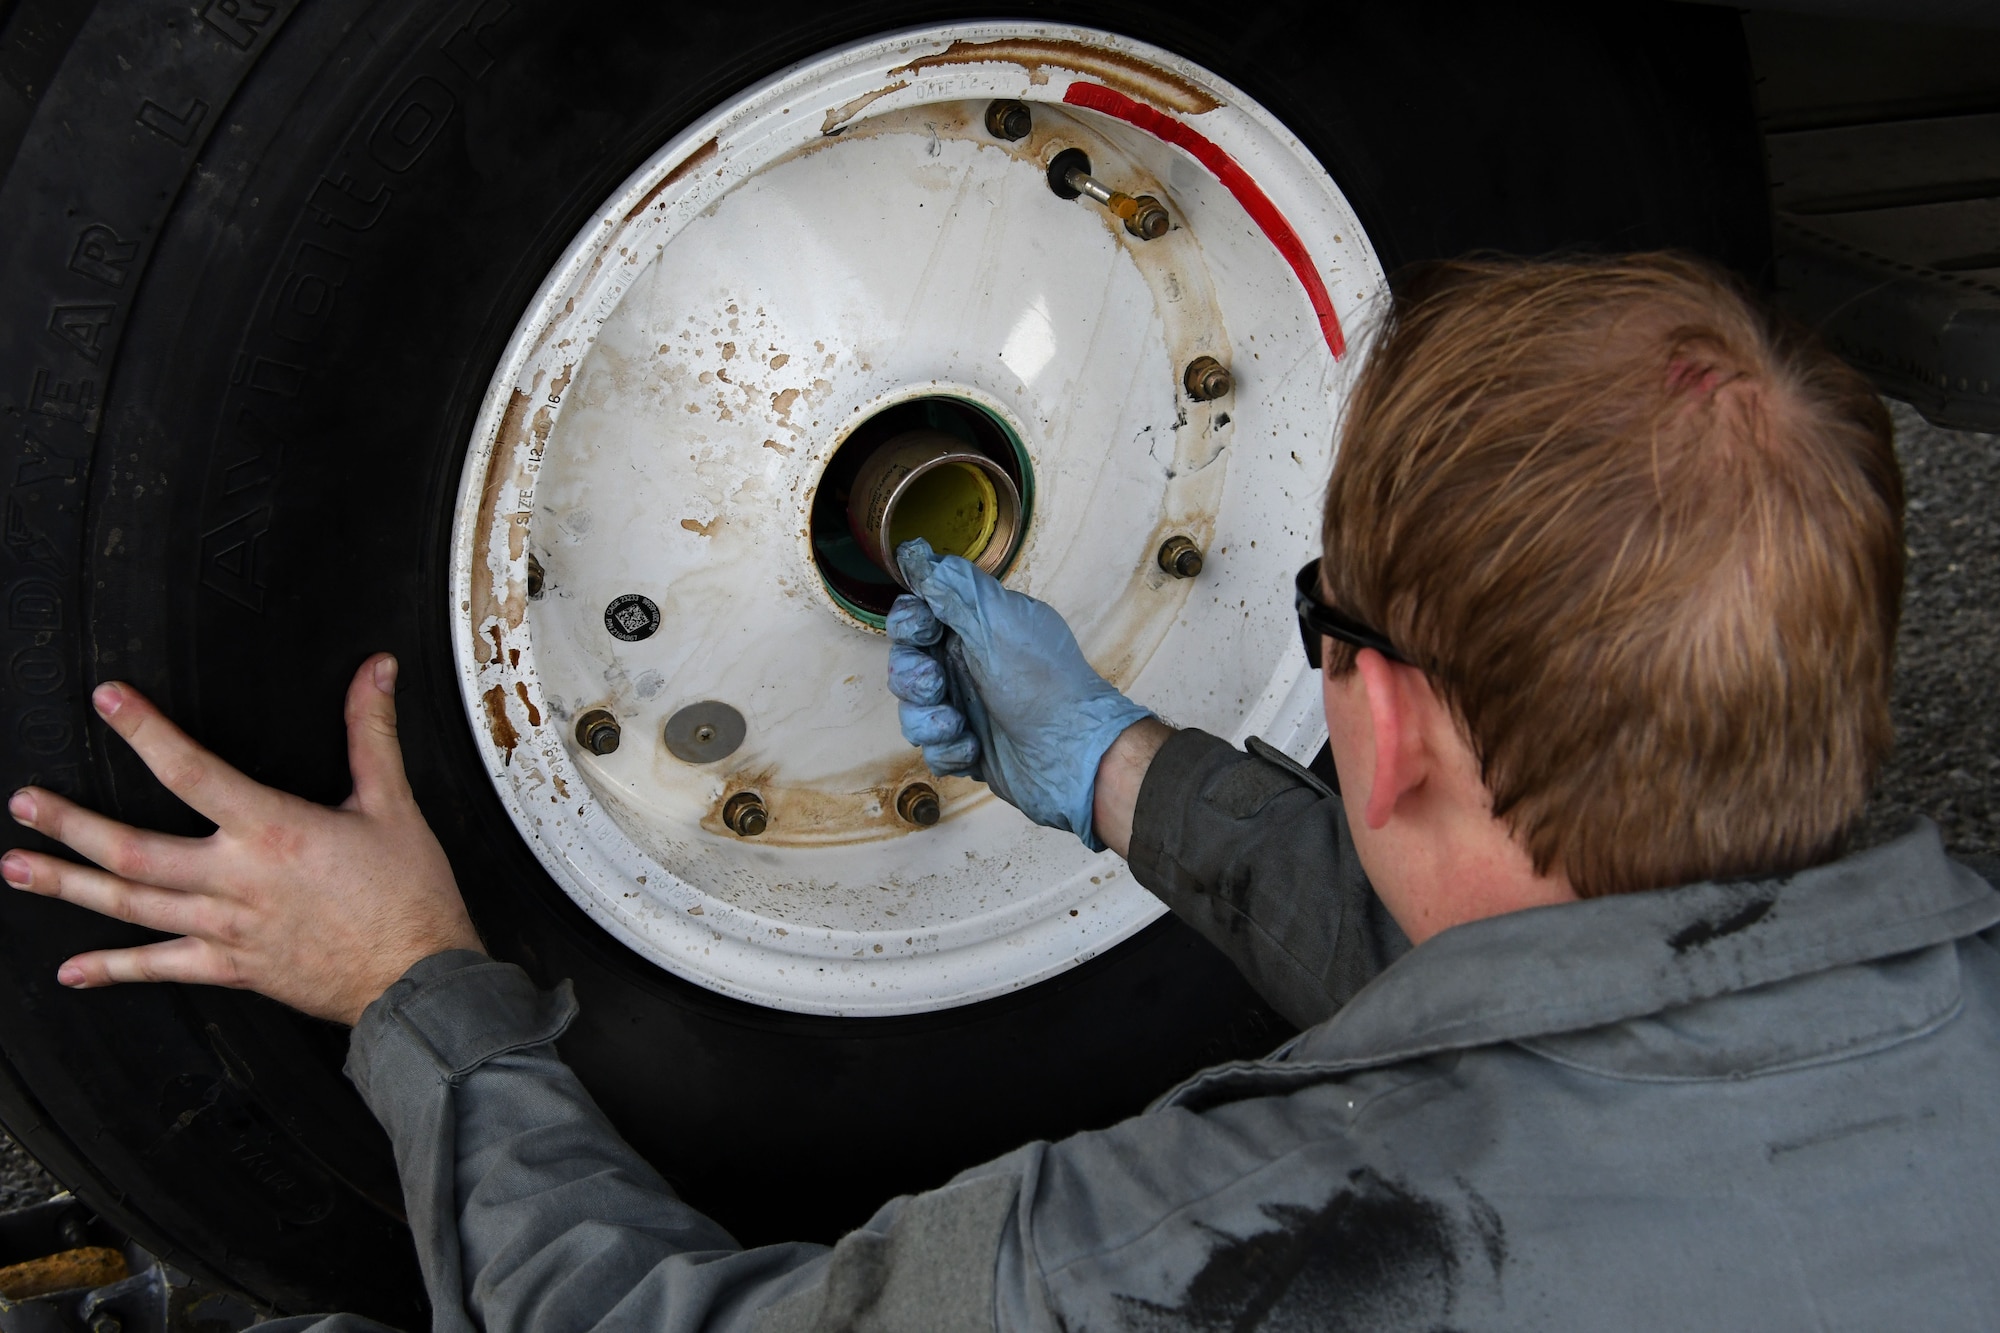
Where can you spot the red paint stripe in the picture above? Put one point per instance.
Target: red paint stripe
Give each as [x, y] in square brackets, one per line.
[1256, 203]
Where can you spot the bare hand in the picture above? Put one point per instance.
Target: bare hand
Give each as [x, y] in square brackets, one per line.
[319, 907]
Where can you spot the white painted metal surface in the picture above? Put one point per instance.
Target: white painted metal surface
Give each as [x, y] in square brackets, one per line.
[843, 237]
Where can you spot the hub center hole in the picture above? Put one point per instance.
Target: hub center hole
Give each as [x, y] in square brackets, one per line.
[942, 468]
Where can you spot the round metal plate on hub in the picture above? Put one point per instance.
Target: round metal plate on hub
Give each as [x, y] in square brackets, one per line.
[837, 258]
[705, 732]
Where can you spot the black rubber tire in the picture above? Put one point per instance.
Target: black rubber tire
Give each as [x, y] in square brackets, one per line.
[225, 292]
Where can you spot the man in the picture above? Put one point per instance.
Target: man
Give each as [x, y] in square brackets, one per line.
[1601, 1032]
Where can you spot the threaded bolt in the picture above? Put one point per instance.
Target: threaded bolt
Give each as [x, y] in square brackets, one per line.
[1149, 221]
[744, 814]
[1207, 379]
[918, 804]
[597, 731]
[1008, 119]
[1180, 557]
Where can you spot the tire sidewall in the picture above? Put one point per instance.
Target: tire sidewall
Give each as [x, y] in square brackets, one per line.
[261, 262]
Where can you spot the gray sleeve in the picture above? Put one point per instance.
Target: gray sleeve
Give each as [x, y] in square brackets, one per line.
[530, 1212]
[1260, 861]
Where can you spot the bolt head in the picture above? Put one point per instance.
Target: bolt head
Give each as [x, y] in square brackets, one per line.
[1180, 557]
[1151, 222]
[704, 734]
[918, 804]
[1010, 120]
[597, 731]
[744, 814]
[1207, 379]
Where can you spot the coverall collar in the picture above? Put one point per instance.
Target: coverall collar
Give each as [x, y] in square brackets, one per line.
[1563, 969]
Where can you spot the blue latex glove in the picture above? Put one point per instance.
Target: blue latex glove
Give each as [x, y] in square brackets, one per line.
[994, 688]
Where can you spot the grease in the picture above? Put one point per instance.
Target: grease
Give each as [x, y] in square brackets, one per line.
[692, 162]
[854, 807]
[498, 724]
[1376, 1256]
[1134, 77]
[848, 110]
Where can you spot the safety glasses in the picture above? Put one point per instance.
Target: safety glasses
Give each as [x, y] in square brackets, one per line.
[1317, 618]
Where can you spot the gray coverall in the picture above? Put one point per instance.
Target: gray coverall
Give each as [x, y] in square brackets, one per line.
[1758, 1105]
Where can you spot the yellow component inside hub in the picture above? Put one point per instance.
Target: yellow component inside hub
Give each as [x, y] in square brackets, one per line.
[953, 507]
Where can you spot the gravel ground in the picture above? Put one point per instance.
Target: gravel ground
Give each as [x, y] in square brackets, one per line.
[1947, 759]
[1946, 763]
[22, 1182]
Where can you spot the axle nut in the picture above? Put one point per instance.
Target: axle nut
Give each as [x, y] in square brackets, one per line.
[918, 804]
[597, 731]
[1180, 557]
[1207, 379]
[745, 815]
[1149, 221]
[1008, 119]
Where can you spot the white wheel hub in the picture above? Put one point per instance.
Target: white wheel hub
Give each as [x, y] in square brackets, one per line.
[844, 243]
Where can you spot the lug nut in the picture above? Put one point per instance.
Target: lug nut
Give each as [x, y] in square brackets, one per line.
[1180, 557]
[1148, 219]
[745, 815]
[1207, 379]
[918, 804]
[535, 577]
[597, 731]
[1008, 119]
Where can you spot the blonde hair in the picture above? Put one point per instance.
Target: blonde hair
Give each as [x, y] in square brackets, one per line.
[1647, 541]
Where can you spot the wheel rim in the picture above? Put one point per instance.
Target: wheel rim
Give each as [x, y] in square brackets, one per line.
[770, 282]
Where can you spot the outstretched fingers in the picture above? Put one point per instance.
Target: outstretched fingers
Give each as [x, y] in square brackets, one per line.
[211, 787]
[190, 960]
[134, 854]
[170, 910]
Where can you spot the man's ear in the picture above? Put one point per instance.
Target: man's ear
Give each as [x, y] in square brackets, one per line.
[1400, 760]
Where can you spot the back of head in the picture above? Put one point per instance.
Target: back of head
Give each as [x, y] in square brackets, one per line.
[1648, 543]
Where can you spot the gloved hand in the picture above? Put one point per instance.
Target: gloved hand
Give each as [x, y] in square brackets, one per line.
[1005, 697]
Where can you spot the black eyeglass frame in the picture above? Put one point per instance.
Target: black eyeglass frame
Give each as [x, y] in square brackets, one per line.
[1316, 618]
